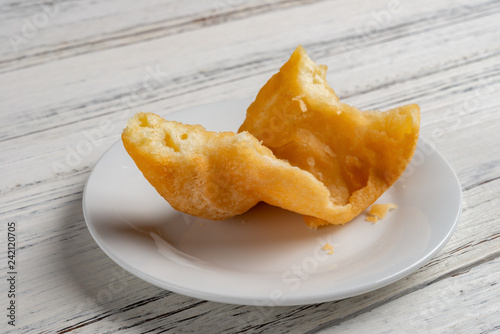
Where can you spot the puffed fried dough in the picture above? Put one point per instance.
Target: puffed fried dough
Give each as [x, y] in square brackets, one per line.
[357, 155]
[217, 175]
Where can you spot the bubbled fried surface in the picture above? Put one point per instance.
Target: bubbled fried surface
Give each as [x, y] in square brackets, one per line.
[217, 175]
[357, 155]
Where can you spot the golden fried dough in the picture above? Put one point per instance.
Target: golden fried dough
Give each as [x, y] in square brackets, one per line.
[356, 155]
[217, 175]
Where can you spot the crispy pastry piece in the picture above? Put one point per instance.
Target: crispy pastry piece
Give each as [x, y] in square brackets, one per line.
[356, 155]
[217, 175]
[379, 211]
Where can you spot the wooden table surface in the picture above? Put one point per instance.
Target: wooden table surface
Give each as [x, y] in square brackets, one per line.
[72, 72]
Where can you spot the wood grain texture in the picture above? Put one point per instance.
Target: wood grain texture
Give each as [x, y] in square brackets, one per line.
[471, 296]
[66, 93]
[63, 25]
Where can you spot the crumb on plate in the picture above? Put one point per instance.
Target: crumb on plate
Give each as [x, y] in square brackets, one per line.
[328, 247]
[379, 211]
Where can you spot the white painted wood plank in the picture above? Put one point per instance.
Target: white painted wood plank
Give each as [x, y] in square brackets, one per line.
[467, 302]
[434, 53]
[39, 32]
[92, 90]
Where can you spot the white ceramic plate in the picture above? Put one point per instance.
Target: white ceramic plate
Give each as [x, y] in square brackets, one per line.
[267, 256]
